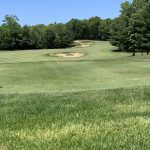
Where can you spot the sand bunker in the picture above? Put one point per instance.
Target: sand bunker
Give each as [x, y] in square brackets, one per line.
[85, 45]
[82, 44]
[68, 54]
[77, 41]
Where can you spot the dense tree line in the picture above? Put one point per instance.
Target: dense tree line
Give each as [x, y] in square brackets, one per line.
[94, 28]
[131, 30]
[13, 36]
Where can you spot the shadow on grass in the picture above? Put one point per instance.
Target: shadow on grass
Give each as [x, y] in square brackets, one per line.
[117, 50]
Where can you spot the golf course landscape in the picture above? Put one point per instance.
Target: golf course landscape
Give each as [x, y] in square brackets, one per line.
[89, 96]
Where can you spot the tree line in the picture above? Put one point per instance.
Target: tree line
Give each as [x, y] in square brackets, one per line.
[14, 37]
[131, 30]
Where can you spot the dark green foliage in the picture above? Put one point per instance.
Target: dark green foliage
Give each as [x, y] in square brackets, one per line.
[94, 24]
[50, 38]
[104, 29]
[27, 42]
[119, 28]
[75, 26]
[10, 37]
[37, 33]
[63, 36]
[85, 29]
[94, 28]
[131, 30]
[4, 38]
[13, 36]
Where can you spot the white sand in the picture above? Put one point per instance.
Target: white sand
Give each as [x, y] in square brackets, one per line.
[68, 55]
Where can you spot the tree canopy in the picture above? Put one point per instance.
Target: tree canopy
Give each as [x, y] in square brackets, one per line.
[13, 36]
[131, 30]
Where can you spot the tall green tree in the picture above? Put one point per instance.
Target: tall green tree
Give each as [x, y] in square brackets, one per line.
[129, 31]
[119, 28]
[64, 36]
[50, 38]
[38, 34]
[26, 42]
[104, 29]
[139, 30]
[75, 26]
[5, 38]
[94, 24]
[12, 29]
[85, 33]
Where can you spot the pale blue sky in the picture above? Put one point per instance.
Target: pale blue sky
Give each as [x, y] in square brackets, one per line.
[48, 11]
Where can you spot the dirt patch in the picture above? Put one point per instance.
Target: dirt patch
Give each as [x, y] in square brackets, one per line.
[68, 54]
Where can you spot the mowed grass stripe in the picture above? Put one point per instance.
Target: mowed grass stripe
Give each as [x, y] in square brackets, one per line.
[73, 76]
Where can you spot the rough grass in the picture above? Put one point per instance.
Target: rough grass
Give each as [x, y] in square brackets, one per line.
[111, 119]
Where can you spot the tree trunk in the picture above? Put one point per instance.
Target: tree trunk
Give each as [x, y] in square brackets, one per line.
[133, 52]
[148, 52]
[141, 52]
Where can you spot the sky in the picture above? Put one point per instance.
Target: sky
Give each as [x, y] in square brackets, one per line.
[34, 12]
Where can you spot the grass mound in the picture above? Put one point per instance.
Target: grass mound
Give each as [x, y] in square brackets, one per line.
[109, 119]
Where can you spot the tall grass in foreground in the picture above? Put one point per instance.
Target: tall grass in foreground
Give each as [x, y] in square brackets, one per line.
[106, 120]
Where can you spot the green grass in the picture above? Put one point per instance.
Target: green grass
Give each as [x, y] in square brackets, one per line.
[98, 101]
[100, 68]
[111, 119]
